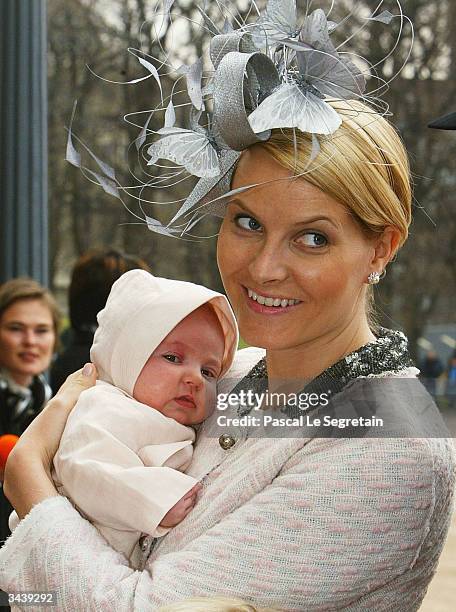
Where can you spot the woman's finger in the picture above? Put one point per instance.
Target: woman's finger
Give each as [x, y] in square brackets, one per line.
[76, 383]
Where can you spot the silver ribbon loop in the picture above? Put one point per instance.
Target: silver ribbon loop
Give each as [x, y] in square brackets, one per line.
[227, 43]
[241, 82]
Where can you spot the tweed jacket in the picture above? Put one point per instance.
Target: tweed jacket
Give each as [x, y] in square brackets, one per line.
[306, 524]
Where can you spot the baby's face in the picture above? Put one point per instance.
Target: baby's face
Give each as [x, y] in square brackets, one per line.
[180, 377]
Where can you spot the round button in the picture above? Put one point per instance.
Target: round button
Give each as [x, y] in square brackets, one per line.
[226, 441]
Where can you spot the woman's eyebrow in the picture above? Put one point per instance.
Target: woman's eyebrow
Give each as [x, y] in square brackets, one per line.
[241, 204]
[318, 218]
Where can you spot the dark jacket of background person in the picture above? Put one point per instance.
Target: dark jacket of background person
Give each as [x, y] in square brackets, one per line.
[91, 281]
[450, 390]
[18, 407]
[431, 368]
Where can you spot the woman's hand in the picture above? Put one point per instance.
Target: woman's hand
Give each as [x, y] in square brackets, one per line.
[28, 469]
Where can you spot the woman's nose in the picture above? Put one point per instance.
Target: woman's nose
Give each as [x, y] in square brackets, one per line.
[268, 264]
[29, 337]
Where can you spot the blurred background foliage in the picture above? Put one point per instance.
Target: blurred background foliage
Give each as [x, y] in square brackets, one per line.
[419, 288]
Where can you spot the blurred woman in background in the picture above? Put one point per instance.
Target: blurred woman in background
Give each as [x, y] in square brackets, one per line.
[29, 321]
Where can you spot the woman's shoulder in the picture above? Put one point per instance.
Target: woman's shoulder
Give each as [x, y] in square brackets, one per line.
[400, 403]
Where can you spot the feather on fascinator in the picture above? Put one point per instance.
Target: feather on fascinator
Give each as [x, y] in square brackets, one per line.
[270, 72]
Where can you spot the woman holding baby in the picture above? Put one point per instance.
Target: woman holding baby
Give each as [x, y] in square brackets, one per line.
[297, 523]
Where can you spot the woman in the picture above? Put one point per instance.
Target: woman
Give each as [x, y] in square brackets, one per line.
[299, 523]
[29, 320]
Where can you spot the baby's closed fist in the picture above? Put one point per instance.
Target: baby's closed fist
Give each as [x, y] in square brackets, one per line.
[179, 511]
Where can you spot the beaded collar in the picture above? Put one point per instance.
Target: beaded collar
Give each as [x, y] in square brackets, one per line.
[387, 354]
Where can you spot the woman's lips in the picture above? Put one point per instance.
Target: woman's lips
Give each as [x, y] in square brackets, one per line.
[186, 401]
[263, 309]
[28, 357]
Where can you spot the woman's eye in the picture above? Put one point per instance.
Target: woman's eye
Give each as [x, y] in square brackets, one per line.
[172, 358]
[247, 223]
[313, 239]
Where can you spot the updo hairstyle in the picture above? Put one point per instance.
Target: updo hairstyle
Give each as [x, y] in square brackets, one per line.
[363, 165]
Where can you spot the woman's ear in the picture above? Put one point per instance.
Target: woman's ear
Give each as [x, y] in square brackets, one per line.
[386, 246]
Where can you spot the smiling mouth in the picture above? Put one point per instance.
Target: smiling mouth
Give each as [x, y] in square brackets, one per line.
[186, 401]
[271, 301]
[28, 356]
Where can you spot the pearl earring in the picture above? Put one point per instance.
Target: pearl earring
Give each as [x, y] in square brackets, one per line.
[373, 278]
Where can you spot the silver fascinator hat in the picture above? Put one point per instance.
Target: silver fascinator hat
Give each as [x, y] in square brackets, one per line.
[266, 71]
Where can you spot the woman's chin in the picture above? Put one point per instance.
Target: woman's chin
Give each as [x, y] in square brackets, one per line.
[264, 331]
[264, 338]
[26, 372]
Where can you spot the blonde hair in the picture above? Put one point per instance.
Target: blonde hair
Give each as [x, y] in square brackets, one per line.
[19, 289]
[214, 604]
[364, 166]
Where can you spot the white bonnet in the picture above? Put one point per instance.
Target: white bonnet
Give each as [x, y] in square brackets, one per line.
[140, 312]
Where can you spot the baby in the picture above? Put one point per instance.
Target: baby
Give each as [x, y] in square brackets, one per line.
[160, 348]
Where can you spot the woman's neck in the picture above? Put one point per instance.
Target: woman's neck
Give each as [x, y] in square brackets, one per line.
[306, 361]
[21, 381]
